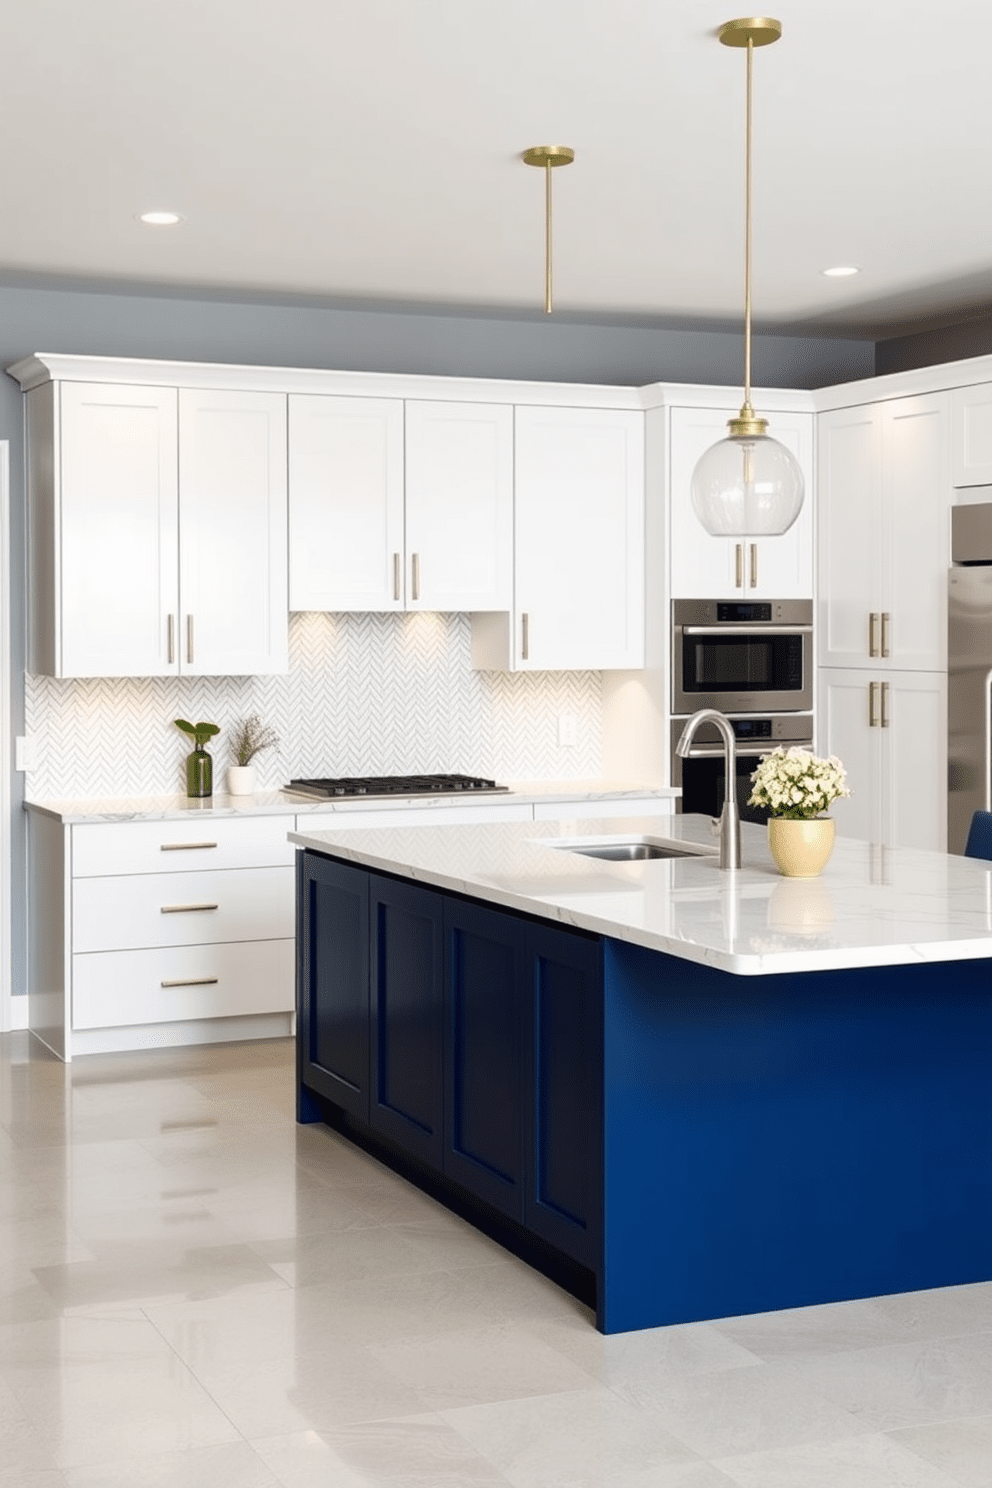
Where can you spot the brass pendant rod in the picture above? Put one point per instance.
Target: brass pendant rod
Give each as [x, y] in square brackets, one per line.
[547, 237]
[747, 409]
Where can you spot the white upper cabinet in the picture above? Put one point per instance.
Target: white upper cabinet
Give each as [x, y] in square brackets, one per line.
[104, 530]
[973, 435]
[232, 524]
[345, 503]
[400, 507]
[884, 498]
[578, 547]
[707, 567]
[157, 531]
[459, 506]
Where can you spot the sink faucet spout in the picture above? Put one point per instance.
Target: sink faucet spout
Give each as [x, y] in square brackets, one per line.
[728, 824]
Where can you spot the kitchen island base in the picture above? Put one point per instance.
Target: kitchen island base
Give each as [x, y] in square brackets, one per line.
[742, 1144]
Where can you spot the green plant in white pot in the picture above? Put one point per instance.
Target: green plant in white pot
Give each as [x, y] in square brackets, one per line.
[249, 737]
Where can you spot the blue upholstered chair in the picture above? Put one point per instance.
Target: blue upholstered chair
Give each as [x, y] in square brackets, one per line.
[979, 844]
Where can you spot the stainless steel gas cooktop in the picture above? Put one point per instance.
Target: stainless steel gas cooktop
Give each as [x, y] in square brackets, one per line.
[394, 785]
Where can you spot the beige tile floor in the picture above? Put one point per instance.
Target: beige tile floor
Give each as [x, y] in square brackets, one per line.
[197, 1293]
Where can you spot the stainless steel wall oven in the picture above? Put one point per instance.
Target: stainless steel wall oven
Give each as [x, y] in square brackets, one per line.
[750, 656]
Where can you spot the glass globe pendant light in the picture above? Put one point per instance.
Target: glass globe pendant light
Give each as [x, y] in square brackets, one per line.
[747, 485]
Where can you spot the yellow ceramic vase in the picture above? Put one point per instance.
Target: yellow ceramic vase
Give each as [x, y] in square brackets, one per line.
[801, 848]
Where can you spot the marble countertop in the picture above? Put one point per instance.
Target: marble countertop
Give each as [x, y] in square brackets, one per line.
[279, 803]
[871, 906]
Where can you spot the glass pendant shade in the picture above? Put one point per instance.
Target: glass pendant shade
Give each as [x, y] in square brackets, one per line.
[747, 486]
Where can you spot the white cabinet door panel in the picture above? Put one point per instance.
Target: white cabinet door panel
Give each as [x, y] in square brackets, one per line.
[459, 506]
[972, 435]
[915, 760]
[233, 570]
[843, 729]
[915, 552]
[579, 538]
[158, 909]
[117, 568]
[120, 988]
[346, 503]
[850, 533]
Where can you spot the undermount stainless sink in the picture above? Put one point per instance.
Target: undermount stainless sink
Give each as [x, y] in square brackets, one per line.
[629, 849]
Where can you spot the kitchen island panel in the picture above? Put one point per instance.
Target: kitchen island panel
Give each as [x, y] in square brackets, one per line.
[791, 1140]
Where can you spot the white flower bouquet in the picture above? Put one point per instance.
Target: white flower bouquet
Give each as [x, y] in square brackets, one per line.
[797, 785]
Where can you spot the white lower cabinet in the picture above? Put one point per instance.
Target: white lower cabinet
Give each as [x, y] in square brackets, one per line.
[160, 932]
[890, 732]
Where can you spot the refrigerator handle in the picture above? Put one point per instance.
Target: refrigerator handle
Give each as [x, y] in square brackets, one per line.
[988, 740]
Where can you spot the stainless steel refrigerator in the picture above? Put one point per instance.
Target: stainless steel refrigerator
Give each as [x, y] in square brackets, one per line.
[969, 670]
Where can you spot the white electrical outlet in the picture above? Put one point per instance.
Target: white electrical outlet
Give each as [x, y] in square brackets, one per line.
[566, 730]
[25, 753]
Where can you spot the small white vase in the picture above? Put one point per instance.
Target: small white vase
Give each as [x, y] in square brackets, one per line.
[240, 780]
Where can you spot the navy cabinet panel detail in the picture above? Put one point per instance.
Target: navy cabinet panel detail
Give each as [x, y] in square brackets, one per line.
[334, 1007]
[406, 1016]
[483, 1146]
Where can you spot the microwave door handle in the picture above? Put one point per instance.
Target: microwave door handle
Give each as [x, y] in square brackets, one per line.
[754, 631]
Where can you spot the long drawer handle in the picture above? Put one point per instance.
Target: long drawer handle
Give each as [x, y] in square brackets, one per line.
[415, 566]
[759, 628]
[739, 566]
[396, 576]
[525, 637]
[754, 565]
[872, 705]
[172, 639]
[885, 705]
[886, 622]
[192, 982]
[187, 908]
[185, 846]
[189, 639]
[873, 633]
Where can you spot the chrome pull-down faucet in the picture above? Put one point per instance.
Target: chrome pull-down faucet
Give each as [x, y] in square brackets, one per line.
[728, 824]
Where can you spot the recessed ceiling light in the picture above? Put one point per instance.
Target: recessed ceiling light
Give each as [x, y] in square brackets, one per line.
[842, 271]
[159, 219]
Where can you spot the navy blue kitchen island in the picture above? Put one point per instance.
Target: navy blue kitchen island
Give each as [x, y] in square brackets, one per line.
[672, 1138]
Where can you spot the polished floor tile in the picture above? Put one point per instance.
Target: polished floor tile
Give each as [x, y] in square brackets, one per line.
[195, 1290]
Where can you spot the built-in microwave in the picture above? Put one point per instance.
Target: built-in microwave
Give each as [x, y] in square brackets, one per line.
[742, 656]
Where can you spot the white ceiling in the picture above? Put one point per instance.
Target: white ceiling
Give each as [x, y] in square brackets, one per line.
[369, 151]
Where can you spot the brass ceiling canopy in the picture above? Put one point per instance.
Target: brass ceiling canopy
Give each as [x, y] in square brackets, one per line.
[758, 30]
[547, 157]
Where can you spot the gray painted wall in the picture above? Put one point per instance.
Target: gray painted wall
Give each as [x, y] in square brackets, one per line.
[222, 330]
[953, 343]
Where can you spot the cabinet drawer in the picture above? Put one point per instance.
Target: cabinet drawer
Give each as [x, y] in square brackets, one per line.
[106, 848]
[368, 819]
[116, 988]
[173, 909]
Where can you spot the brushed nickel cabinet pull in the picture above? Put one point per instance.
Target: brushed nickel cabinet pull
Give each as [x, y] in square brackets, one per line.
[885, 704]
[872, 715]
[189, 638]
[415, 566]
[524, 637]
[192, 982]
[187, 908]
[172, 639]
[886, 620]
[873, 633]
[185, 846]
[738, 565]
[754, 565]
[396, 576]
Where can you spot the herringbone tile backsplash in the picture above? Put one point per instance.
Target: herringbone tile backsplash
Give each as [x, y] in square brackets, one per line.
[364, 695]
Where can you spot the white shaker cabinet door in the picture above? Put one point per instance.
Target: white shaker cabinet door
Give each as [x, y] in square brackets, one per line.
[579, 539]
[112, 562]
[848, 726]
[915, 552]
[459, 506]
[973, 435]
[850, 533]
[233, 563]
[915, 760]
[345, 503]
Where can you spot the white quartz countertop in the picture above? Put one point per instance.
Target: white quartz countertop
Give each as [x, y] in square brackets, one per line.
[871, 906]
[280, 803]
